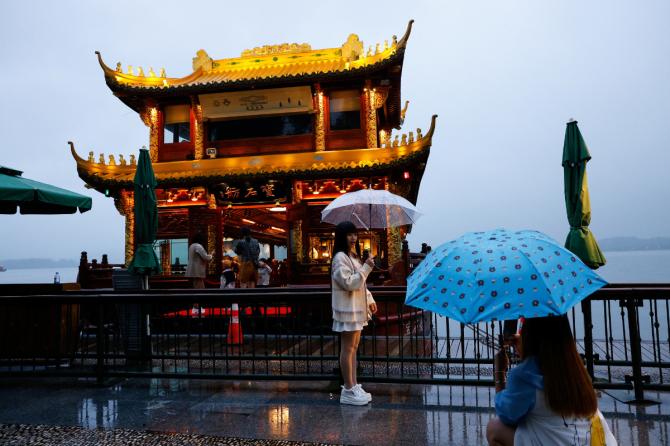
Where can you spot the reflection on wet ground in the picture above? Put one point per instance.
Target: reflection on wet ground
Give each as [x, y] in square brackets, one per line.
[399, 413]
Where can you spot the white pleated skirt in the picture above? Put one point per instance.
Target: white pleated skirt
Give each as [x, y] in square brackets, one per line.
[348, 326]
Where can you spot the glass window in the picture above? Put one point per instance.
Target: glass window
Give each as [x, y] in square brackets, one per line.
[176, 250]
[259, 127]
[177, 126]
[345, 110]
[179, 132]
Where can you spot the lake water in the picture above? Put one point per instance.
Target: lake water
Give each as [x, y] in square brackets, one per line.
[622, 266]
[39, 275]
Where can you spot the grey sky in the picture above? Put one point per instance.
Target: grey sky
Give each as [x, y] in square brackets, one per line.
[504, 78]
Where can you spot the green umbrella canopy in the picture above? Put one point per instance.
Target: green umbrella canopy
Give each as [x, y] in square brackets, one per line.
[33, 197]
[580, 240]
[146, 217]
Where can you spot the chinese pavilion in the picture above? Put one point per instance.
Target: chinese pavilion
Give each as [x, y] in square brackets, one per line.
[266, 140]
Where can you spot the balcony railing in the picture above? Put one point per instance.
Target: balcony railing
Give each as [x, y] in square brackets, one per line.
[622, 331]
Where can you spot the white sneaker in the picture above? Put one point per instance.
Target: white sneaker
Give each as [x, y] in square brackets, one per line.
[353, 396]
[358, 388]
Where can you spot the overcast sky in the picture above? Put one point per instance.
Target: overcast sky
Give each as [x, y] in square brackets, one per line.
[504, 78]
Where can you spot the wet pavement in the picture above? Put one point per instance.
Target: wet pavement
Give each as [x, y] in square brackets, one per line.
[153, 411]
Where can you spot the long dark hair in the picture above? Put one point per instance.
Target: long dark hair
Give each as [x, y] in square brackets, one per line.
[568, 389]
[342, 230]
[200, 239]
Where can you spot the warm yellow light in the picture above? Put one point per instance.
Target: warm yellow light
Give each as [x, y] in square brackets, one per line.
[277, 229]
[251, 222]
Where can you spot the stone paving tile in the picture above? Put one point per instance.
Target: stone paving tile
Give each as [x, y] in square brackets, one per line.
[38, 435]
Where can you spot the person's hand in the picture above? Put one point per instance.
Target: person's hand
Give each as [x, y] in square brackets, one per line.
[373, 308]
[501, 361]
[371, 261]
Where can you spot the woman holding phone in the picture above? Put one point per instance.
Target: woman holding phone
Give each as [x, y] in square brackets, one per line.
[353, 305]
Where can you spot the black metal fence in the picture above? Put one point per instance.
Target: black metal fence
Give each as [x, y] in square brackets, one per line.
[623, 332]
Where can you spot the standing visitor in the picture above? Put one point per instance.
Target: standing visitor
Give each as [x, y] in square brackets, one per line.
[248, 250]
[548, 398]
[353, 306]
[197, 261]
[264, 272]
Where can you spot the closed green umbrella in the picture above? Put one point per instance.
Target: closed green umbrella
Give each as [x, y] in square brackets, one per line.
[33, 197]
[580, 240]
[145, 261]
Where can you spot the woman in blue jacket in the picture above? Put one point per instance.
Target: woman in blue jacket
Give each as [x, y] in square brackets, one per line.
[548, 398]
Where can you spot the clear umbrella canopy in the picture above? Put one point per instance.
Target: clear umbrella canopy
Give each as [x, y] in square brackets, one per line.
[371, 209]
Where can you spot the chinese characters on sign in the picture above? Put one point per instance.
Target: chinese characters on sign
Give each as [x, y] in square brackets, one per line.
[269, 191]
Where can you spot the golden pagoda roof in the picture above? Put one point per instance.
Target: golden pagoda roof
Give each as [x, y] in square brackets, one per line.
[270, 62]
[102, 175]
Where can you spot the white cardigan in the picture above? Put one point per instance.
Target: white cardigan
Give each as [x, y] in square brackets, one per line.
[351, 296]
[197, 261]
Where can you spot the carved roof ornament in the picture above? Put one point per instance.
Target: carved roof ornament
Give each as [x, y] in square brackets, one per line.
[282, 48]
[202, 60]
[403, 112]
[353, 48]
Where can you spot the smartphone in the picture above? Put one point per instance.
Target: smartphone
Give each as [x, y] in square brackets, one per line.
[366, 254]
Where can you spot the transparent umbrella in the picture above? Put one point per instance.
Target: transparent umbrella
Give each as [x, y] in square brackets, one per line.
[371, 209]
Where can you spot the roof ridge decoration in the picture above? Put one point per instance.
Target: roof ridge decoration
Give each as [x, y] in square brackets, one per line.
[99, 173]
[268, 61]
[282, 48]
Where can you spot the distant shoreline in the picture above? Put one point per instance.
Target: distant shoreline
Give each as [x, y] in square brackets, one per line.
[634, 250]
[13, 264]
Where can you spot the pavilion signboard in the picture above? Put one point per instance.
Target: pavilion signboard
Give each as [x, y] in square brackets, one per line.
[252, 192]
[268, 102]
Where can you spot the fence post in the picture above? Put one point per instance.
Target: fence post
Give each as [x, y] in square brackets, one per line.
[100, 345]
[588, 336]
[635, 348]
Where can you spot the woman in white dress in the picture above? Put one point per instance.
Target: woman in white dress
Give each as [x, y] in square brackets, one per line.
[352, 304]
[548, 398]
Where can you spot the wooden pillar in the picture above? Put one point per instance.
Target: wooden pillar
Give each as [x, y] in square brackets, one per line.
[166, 257]
[125, 204]
[198, 133]
[152, 118]
[320, 127]
[394, 245]
[370, 105]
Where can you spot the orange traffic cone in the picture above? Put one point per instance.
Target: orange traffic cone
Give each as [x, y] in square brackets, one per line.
[234, 327]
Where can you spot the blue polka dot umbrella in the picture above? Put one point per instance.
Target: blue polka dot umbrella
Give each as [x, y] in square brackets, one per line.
[500, 275]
